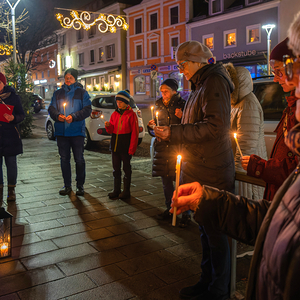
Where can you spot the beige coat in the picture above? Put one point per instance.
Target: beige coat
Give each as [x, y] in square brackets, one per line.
[248, 122]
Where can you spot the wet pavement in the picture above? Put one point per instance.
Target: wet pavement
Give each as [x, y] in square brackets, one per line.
[91, 247]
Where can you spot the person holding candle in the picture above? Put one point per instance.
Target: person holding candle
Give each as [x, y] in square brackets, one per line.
[282, 160]
[207, 155]
[10, 139]
[123, 125]
[247, 123]
[169, 108]
[69, 107]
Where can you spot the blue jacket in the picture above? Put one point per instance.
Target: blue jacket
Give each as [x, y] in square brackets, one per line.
[78, 105]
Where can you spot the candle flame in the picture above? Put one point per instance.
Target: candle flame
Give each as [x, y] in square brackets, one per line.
[102, 116]
[157, 114]
[152, 107]
[65, 104]
[234, 135]
[4, 246]
[178, 159]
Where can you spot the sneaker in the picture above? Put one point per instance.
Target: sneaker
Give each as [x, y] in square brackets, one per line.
[185, 221]
[80, 191]
[193, 291]
[166, 215]
[66, 190]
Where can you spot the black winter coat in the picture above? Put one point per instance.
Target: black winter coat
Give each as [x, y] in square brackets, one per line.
[10, 139]
[273, 227]
[204, 132]
[165, 154]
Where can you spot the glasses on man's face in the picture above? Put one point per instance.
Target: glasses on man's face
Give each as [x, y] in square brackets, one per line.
[277, 72]
[181, 66]
[291, 66]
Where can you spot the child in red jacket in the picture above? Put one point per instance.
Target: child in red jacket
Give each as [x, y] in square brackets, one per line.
[123, 125]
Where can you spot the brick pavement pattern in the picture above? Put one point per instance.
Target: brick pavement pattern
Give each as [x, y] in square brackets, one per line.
[91, 247]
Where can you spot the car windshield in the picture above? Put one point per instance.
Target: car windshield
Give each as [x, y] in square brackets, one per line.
[109, 101]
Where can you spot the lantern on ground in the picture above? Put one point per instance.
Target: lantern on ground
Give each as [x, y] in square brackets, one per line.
[5, 233]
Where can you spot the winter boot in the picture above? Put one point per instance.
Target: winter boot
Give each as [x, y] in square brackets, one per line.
[126, 191]
[1, 192]
[11, 195]
[117, 189]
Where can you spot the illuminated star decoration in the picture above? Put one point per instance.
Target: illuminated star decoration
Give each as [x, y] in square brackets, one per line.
[6, 49]
[103, 22]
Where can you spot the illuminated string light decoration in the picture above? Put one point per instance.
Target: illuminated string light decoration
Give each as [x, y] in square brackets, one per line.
[6, 49]
[103, 22]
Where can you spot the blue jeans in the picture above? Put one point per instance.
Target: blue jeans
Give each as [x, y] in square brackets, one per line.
[168, 186]
[12, 171]
[65, 144]
[215, 262]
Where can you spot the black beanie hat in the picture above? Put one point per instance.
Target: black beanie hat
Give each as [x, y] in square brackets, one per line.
[123, 96]
[73, 72]
[171, 83]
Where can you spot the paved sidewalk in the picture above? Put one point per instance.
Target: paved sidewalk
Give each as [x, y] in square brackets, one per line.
[92, 247]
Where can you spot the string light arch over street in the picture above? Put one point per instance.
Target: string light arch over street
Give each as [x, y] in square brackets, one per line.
[104, 22]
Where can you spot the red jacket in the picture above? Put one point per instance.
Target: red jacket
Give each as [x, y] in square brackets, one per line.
[125, 131]
[282, 160]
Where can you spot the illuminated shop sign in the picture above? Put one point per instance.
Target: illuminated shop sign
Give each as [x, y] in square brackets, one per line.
[239, 54]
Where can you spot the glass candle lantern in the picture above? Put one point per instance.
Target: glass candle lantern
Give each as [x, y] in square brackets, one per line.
[5, 233]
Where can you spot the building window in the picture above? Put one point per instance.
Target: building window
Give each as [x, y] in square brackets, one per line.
[174, 17]
[215, 7]
[174, 43]
[110, 52]
[63, 40]
[153, 49]
[138, 52]
[47, 55]
[138, 25]
[54, 53]
[36, 75]
[48, 73]
[35, 59]
[253, 34]
[92, 56]
[42, 74]
[153, 21]
[92, 31]
[101, 54]
[208, 41]
[42, 56]
[80, 59]
[230, 38]
[139, 85]
[79, 35]
[250, 2]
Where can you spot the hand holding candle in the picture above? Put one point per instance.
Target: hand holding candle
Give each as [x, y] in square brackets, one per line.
[237, 143]
[176, 187]
[152, 112]
[157, 123]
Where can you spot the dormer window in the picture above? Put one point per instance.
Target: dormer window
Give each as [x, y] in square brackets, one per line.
[215, 7]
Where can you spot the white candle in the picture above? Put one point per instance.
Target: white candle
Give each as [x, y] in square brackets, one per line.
[176, 187]
[65, 108]
[152, 112]
[237, 143]
[157, 119]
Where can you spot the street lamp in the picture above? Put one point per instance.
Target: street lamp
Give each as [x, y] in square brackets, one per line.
[13, 28]
[268, 29]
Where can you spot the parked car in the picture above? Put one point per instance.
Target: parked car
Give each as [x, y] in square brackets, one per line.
[38, 103]
[103, 105]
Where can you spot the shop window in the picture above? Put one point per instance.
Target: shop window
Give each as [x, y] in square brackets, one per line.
[138, 52]
[139, 85]
[253, 34]
[110, 52]
[174, 16]
[138, 25]
[153, 49]
[215, 7]
[208, 41]
[230, 38]
[80, 59]
[153, 21]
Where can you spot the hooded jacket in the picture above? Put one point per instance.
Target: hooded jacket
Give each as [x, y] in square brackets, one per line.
[78, 105]
[204, 130]
[165, 154]
[247, 121]
[10, 139]
[282, 160]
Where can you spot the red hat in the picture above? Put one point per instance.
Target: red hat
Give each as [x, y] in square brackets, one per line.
[280, 50]
[3, 78]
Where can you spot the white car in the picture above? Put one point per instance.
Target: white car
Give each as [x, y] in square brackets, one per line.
[103, 105]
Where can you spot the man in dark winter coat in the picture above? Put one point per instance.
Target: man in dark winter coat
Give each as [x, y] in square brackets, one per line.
[69, 108]
[169, 108]
[11, 114]
[204, 134]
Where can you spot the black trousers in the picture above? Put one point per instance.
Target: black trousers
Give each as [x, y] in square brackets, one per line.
[117, 159]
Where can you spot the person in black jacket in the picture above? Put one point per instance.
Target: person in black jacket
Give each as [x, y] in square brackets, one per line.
[169, 108]
[11, 114]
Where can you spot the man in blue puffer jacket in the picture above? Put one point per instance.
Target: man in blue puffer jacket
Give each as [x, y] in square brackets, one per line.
[69, 107]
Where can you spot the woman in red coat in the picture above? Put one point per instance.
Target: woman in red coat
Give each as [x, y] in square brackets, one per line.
[282, 160]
